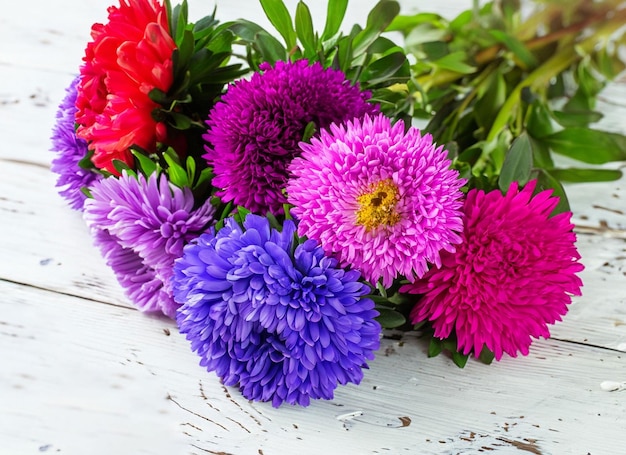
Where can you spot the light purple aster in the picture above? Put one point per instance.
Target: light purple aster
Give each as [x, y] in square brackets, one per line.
[140, 282]
[151, 218]
[377, 198]
[70, 151]
[254, 131]
[275, 316]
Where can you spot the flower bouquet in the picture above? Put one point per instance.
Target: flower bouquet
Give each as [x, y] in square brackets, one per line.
[278, 200]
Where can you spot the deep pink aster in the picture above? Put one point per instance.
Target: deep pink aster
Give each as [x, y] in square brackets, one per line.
[150, 218]
[379, 199]
[255, 129]
[513, 274]
[128, 57]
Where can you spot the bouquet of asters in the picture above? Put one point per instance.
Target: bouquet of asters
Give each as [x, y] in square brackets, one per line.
[275, 197]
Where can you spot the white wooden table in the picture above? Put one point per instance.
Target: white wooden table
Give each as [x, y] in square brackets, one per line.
[82, 372]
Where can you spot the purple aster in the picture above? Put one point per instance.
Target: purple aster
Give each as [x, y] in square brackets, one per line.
[70, 150]
[140, 282]
[277, 317]
[255, 129]
[377, 198]
[152, 218]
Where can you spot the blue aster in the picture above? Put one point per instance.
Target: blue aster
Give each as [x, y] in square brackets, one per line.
[273, 315]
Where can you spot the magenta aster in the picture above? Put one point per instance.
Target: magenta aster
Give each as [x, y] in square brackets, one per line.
[513, 274]
[152, 219]
[377, 198]
[254, 131]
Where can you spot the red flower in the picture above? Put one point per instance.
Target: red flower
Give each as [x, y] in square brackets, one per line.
[128, 57]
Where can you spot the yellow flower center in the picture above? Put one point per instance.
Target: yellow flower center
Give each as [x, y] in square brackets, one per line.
[378, 207]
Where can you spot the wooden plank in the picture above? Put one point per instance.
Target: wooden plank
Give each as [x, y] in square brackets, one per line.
[46, 244]
[79, 376]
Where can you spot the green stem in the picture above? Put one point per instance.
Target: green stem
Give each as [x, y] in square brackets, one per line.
[484, 76]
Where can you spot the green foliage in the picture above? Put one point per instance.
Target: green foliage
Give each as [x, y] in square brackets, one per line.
[364, 55]
[449, 345]
[201, 70]
[506, 92]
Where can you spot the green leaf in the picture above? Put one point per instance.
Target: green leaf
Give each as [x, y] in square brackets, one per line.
[120, 166]
[178, 21]
[460, 360]
[309, 131]
[246, 30]
[382, 69]
[270, 48]
[145, 164]
[526, 58]
[609, 64]
[587, 145]
[462, 21]
[542, 157]
[490, 101]
[381, 289]
[546, 181]
[159, 96]
[577, 118]
[190, 164]
[85, 162]
[389, 318]
[486, 356]
[177, 174]
[575, 175]
[580, 101]
[408, 23]
[518, 163]
[335, 13]
[343, 57]
[435, 347]
[455, 62]
[539, 120]
[206, 175]
[185, 49]
[424, 33]
[304, 28]
[279, 16]
[241, 214]
[378, 20]
[205, 23]
[180, 121]
[400, 299]
[619, 139]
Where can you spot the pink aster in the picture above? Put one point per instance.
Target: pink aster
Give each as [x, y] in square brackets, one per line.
[128, 57]
[514, 273]
[380, 199]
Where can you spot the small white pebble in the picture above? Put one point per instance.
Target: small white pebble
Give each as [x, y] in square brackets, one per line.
[621, 347]
[612, 386]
